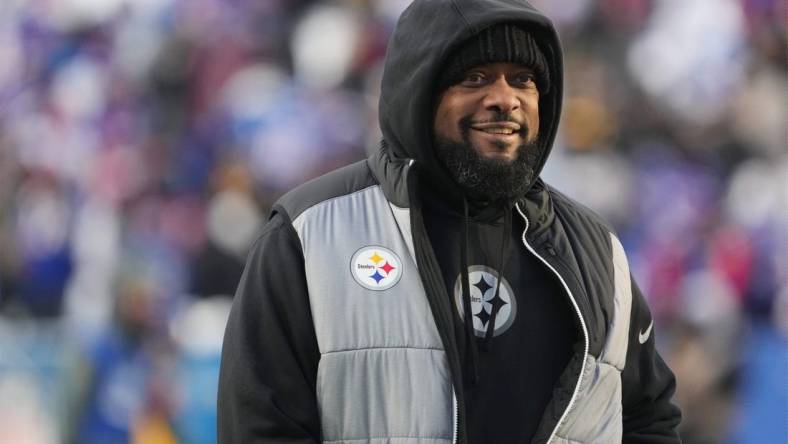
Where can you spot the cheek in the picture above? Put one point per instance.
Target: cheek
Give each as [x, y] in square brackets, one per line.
[445, 121]
[536, 117]
[533, 115]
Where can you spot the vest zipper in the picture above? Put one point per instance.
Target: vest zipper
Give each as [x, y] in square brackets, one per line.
[579, 315]
[456, 416]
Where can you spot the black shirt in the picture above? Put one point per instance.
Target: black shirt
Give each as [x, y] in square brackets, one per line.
[535, 327]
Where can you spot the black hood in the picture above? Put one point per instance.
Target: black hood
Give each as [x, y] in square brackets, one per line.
[427, 32]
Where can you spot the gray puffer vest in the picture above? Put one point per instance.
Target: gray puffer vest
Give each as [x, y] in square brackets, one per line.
[388, 370]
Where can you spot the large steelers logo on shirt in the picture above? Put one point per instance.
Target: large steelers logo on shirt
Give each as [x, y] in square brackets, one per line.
[376, 268]
[483, 281]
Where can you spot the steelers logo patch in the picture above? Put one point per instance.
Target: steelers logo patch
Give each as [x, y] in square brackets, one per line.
[376, 268]
[483, 281]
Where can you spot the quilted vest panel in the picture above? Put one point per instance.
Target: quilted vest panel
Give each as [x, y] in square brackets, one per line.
[596, 414]
[383, 374]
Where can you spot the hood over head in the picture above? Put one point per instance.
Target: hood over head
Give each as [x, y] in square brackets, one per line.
[427, 34]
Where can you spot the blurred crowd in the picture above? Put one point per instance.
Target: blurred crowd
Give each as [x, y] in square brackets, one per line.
[143, 141]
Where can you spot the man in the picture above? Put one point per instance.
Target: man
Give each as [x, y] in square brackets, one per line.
[350, 323]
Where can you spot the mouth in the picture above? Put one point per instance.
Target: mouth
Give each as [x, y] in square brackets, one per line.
[497, 128]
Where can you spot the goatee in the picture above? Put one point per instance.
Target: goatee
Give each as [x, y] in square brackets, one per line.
[486, 179]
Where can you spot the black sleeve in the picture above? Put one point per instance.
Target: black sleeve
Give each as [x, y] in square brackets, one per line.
[648, 384]
[270, 353]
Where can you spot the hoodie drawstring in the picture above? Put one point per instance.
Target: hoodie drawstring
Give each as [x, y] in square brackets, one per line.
[471, 352]
[507, 228]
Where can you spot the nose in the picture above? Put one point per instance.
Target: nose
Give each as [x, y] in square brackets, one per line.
[501, 96]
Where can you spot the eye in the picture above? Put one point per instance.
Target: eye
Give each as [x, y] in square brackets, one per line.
[473, 78]
[524, 80]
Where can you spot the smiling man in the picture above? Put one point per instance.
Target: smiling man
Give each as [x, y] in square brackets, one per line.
[440, 291]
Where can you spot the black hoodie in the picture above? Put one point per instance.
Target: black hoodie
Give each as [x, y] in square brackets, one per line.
[267, 387]
[427, 33]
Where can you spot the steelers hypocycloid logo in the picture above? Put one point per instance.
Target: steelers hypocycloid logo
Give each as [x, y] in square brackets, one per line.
[376, 268]
[483, 281]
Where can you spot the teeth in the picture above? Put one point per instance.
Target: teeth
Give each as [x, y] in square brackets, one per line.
[498, 130]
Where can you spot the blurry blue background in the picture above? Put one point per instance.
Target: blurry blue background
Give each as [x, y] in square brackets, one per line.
[142, 142]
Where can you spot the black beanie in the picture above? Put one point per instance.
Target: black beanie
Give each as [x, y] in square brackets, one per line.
[497, 44]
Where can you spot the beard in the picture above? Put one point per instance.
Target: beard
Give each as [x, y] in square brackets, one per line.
[488, 179]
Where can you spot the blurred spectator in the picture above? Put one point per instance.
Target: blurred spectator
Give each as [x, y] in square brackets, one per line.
[233, 220]
[42, 245]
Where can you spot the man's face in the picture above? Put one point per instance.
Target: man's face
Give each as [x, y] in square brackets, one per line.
[485, 130]
[494, 108]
